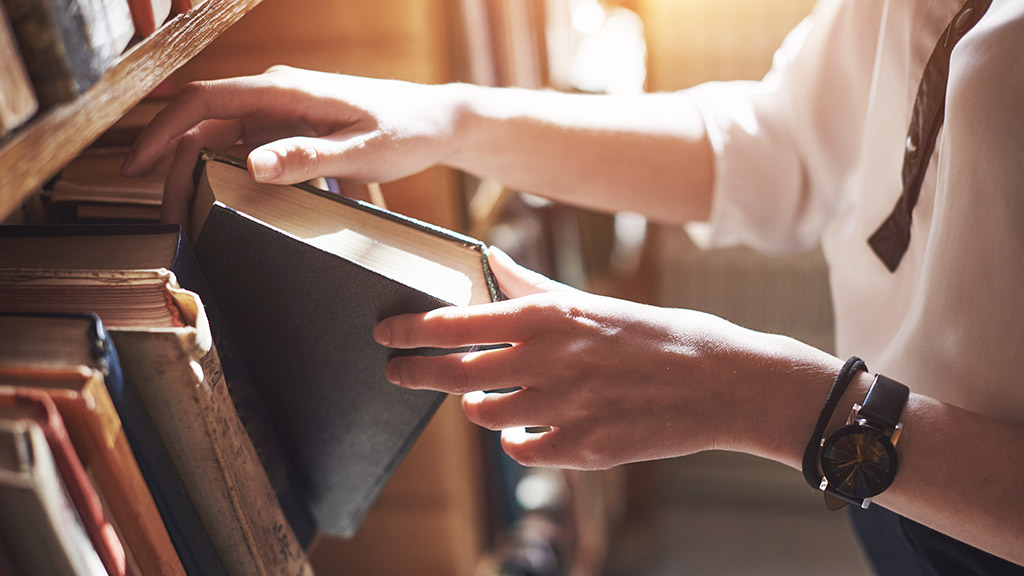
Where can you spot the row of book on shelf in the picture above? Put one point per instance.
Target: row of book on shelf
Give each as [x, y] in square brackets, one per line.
[53, 50]
[209, 402]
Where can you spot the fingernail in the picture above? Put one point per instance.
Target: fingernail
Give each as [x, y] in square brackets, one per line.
[391, 374]
[499, 254]
[382, 334]
[265, 165]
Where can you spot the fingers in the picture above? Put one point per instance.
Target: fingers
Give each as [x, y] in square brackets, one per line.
[347, 154]
[574, 447]
[228, 99]
[503, 322]
[499, 411]
[179, 186]
[508, 367]
[549, 448]
[453, 373]
[524, 418]
[515, 280]
[508, 321]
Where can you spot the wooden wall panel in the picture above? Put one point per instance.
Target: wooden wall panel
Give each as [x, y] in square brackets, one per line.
[692, 41]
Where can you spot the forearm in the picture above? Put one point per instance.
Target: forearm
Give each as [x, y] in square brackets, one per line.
[959, 471]
[660, 383]
[645, 153]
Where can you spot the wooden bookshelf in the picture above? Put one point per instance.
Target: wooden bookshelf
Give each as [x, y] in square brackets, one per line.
[38, 150]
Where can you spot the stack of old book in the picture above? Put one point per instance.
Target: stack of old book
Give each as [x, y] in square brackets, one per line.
[208, 403]
[90, 188]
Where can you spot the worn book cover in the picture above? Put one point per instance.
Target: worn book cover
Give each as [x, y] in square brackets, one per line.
[90, 188]
[145, 246]
[170, 362]
[71, 359]
[35, 408]
[38, 524]
[177, 510]
[301, 277]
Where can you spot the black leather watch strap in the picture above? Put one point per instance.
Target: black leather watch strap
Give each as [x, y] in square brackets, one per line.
[885, 401]
[810, 460]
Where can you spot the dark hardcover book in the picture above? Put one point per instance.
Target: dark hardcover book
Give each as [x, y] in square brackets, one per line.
[7, 566]
[146, 246]
[302, 276]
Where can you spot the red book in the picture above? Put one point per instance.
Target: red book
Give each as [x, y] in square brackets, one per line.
[148, 15]
[182, 6]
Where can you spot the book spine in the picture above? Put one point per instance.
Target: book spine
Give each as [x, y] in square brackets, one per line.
[112, 28]
[184, 393]
[148, 15]
[98, 438]
[54, 39]
[82, 493]
[186, 530]
[17, 98]
[251, 410]
[130, 501]
[38, 521]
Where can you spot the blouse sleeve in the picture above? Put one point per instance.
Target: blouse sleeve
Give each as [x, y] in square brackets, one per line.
[785, 147]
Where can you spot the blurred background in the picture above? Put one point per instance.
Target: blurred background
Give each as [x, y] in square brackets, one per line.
[457, 506]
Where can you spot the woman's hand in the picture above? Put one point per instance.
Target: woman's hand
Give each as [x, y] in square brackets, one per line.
[299, 125]
[616, 381]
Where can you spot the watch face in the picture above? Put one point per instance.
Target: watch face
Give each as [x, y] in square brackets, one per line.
[858, 461]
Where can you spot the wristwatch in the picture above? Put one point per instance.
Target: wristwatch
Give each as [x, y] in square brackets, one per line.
[859, 460]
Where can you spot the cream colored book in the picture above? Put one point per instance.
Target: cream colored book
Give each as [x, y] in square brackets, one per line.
[38, 522]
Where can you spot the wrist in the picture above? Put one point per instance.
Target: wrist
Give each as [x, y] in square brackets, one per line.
[796, 381]
[854, 394]
[467, 121]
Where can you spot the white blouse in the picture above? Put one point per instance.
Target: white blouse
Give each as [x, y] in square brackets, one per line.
[813, 153]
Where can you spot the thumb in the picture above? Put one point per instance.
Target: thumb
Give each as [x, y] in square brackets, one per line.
[287, 161]
[515, 280]
[301, 158]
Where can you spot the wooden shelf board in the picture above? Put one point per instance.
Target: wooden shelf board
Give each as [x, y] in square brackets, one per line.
[37, 151]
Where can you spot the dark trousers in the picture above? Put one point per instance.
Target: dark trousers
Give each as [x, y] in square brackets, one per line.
[896, 546]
